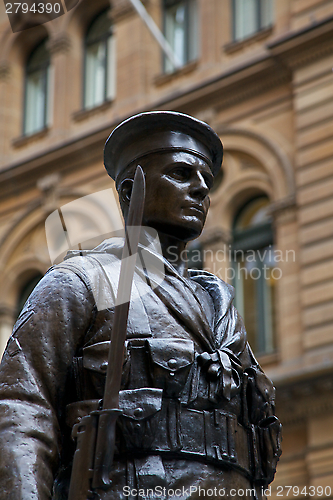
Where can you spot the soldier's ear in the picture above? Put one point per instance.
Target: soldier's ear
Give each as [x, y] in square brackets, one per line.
[125, 190]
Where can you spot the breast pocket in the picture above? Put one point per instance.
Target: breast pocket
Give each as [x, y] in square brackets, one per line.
[170, 364]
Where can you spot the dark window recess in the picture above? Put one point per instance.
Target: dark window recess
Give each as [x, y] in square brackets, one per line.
[26, 291]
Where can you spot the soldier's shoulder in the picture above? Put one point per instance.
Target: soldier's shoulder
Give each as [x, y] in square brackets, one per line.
[210, 280]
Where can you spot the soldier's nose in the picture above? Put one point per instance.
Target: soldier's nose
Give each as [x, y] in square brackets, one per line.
[200, 186]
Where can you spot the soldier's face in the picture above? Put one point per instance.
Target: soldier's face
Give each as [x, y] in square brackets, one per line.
[177, 187]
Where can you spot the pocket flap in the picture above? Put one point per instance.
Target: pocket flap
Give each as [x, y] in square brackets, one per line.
[95, 357]
[171, 354]
[139, 404]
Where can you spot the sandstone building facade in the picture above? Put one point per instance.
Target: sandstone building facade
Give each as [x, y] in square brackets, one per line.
[260, 73]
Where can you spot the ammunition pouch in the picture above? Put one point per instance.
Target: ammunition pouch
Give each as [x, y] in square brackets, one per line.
[155, 426]
[266, 449]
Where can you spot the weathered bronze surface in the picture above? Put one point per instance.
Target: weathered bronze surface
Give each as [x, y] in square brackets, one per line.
[197, 412]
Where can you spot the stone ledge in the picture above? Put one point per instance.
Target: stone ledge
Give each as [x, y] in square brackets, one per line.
[84, 114]
[168, 77]
[297, 401]
[267, 359]
[301, 47]
[24, 140]
[236, 45]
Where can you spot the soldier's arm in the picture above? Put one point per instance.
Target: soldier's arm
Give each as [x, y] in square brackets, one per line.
[34, 376]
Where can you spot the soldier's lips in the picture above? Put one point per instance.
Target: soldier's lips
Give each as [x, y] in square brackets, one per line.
[195, 208]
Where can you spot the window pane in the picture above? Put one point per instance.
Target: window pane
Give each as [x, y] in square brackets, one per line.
[269, 300]
[250, 16]
[111, 67]
[35, 102]
[95, 74]
[181, 31]
[255, 297]
[37, 90]
[246, 18]
[256, 273]
[266, 13]
[175, 33]
[99, 83]
[249, 300]
[193, 30]
[49, 95]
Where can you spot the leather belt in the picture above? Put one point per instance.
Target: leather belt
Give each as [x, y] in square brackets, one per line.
[213, 436]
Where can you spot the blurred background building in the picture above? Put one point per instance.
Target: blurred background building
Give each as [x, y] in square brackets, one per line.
[260, 73]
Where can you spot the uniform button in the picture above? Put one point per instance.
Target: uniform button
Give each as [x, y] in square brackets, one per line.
[104, 366]
[172, 363]
[138, 412]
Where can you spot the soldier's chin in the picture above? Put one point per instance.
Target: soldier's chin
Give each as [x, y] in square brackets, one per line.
[184, 232]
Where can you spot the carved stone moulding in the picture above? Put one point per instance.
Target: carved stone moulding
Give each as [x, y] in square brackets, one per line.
[122, 8]
[298, 401]
[296, 49]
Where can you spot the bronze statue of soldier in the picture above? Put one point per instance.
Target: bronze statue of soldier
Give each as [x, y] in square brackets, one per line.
[196, 410]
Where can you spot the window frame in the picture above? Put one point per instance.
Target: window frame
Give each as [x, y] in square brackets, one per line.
[260, 25]
[105, 38]
[188, 57]
[255, 238]
[46, 68]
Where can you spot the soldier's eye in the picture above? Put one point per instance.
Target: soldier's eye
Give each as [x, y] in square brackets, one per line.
[181, 173]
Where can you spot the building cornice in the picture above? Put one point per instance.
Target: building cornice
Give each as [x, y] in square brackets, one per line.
[307, 397]
[234, 85]
[301, 47]
[63, 157]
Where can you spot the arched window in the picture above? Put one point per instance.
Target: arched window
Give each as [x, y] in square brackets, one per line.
[99, 67]
[256, 273]
[37, 90]
[26, 290]
[181, 30]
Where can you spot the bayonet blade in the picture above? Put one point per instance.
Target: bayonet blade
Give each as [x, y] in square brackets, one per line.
[105, 444]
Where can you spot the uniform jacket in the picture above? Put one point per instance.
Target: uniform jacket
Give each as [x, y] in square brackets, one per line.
[57, 357]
